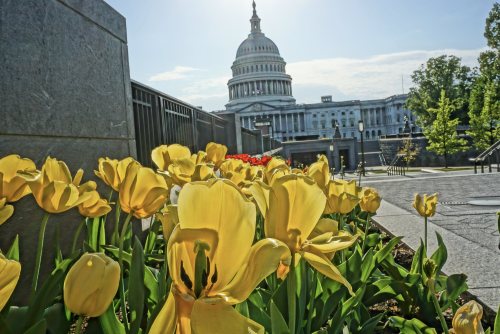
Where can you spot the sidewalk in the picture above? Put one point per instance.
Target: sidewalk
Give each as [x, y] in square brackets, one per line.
[479, 263]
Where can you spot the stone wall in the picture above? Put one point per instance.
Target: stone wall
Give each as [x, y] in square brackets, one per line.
[64, 92]
[425, 158]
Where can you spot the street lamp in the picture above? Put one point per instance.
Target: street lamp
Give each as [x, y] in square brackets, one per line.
[361, 129]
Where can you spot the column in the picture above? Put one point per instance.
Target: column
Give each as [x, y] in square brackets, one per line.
[281, 123]
[286, 123]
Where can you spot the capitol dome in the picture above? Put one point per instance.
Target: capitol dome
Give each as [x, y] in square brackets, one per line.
[259, 73]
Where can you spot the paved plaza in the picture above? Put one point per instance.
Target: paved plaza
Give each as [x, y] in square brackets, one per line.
[466, 218]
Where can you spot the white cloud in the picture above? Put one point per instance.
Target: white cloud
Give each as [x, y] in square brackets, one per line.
[377, 76]
[209, 84]
[179, 72]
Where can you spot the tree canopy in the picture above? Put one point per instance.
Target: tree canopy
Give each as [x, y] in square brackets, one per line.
[446, 73]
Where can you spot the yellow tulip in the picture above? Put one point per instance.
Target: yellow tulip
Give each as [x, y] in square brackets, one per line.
[216, 153]
[202, 172]
[142, 192]
[112, 171]
[168, 218]
[13, 186]
[91, 284]
[320, 172]
[6, 210]
[208, 275]
[164, 155]
[199, 158]
[425, 205]
[467, 319]
[232, 165]
[275, 168]
[9, 275]
[95, 206]
[181, 170]
[342, 197]
[370, 200]
[54, 189]
[292, 211]
[297, 171]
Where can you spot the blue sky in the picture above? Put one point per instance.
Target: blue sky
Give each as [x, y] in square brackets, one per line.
[351, 49]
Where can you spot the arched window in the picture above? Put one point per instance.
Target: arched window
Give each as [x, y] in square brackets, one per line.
[373, 133]
[367, 134]
[379, 133]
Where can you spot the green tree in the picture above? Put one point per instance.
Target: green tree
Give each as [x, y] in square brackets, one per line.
[409, 151]
[484, 108]
[442, 135]
[484, 128]
[440, 73]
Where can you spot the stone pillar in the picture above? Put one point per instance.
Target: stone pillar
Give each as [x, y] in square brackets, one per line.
[65, 91]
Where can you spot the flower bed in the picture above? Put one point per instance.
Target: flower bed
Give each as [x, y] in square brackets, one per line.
[237, 245]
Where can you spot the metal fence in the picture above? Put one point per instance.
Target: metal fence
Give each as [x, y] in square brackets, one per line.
[162, 119]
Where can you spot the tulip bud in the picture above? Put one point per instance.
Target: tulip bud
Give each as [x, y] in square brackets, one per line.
[9, 275]
[425, 205]
[370, 200]
[467, 319]
[91, 284]
[216, 153]
[142, 192]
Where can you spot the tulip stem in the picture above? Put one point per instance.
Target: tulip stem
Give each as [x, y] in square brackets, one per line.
[367, 229]
[39, 252]
[115, 235]
[77, 235]
[291, 296]
[311, 301]
[438, 310]
[425, 233]
[79, 323]
[122, 270]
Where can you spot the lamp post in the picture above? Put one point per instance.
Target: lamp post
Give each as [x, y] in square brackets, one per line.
[361, 128]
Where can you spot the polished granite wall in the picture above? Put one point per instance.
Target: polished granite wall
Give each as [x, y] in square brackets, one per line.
[65, 92]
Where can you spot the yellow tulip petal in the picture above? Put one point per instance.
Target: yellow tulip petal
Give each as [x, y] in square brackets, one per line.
[180, 253]
[6, 211]
[169, 219]
[321, 263]
[467, 319]
[9, 275]
[220, 206]
[295, 206]
[331, 243]
[260, 192]
[222, 319]
[165, 321]
[325, 225]
[320, 172]
[264, 258]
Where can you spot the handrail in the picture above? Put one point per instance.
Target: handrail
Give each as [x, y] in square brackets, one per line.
[381, 157]
[397, 167]
[486, 154]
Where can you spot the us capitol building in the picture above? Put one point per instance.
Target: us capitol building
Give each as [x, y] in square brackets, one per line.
[260, 88]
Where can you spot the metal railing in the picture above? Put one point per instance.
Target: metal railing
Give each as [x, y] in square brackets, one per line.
[397, 166]
[381, 157]
[487, 155]
[162, 119]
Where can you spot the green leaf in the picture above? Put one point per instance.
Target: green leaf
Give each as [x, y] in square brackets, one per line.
[38, 328]
[13, 252]
[440, 255]
[136, 287]
[418, 259]
[57, 322]
[242, 308]
[455, 285]
[369, 326]
[367, 266]
[51, 288]
[372, 239]
[110, 323]
[413, 326]
[496, 326]
[387, 249]
[278, 323]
